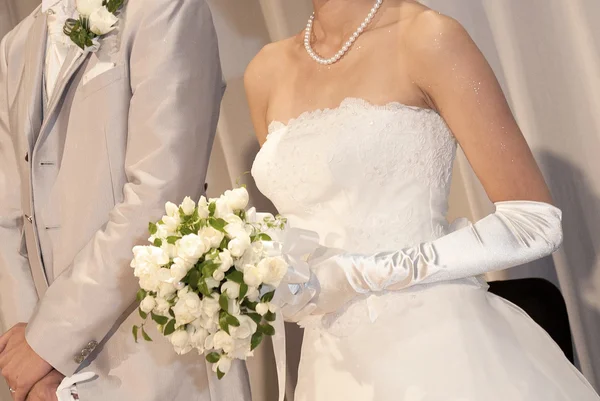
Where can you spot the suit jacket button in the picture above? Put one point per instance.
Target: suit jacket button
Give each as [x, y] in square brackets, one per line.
[79, 359]
[92, 344]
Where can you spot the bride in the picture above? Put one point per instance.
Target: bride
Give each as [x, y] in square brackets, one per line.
[359, 130]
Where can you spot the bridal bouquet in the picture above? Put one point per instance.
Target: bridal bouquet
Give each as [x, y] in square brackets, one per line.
[207, 281]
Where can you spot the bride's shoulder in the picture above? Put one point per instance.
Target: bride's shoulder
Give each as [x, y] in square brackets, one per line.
[269, 61]
[431, 33]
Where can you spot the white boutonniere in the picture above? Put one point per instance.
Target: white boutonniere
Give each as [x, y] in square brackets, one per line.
[96, 18]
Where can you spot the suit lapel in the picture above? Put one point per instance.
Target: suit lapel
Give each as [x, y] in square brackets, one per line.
[74, 60]
[33, 79]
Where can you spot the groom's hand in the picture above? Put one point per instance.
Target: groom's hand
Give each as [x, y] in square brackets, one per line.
[20, 365]
[45, 389]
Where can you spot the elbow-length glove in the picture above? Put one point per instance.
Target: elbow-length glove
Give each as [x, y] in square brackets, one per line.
[517, 233]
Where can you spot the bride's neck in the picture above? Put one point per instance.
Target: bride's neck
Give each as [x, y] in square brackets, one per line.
[336, 19]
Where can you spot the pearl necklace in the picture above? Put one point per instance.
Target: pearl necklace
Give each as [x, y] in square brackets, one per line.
[347, 45]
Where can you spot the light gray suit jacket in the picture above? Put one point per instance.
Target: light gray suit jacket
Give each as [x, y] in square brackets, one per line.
[79, 186]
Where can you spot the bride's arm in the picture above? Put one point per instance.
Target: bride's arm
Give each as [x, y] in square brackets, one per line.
[458, 82]
[258, 79]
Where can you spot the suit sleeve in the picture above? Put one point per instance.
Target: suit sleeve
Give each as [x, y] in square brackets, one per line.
[17, 291]
[177, 87]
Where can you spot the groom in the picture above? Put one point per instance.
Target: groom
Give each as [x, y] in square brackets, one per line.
[92, 144]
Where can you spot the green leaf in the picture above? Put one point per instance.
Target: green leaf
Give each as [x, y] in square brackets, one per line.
[134, 331]
[263, 237]
[203, 288]
[266, 329]
[213, 357]
[217, 224]
[159, 319]
[250, 305]
[212, 206]
[255, 316]
[141, 294]
[145, 335]
[171, 313]
[243, 290]
[224, 302]
[232, 320]
[256, 340]
[267, 297]
[169, 328]
[223, 322]
[143, 314]
[270, 316]
[224, 243]
[208, 267]
[236, 276]
[157, 242]
[194, 277]
[172, 239]
[152, 228]
[220, 374]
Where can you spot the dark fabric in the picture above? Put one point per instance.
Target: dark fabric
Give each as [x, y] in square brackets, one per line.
[544, 303]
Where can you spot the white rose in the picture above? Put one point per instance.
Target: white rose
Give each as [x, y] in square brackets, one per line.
[253, 294]
[147, 304]
[246, 328]
[274, 269]
[262, 308]
[233, 307]
[226, 260]
[233, 219]
[171, 224]
[171, 209]
[203, 212]
[147, 258]
[188, 205]
[161, 232]
[251, 256]
[102, 21]
[222, 208]
[208, 322]
[162, 306]
[223, 341]
[170, 249]
[211, 236]
[253, 275]
[149, 282]
[218, 275]
[238, 246]
[223, 365]
[198, 337]
[181, 342]
[231, 288]
[191, 247]
[210, 306]
[212, 283]
[165, 290]
[237, 198]
[179, 269]
[87, 7]
[188, 308]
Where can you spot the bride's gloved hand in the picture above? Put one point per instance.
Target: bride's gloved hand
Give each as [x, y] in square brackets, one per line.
[517, 233]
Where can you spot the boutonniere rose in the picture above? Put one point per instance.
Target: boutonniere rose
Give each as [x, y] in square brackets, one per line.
[96, 18]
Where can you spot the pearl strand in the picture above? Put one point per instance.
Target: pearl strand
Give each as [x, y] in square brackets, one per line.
[342, 52]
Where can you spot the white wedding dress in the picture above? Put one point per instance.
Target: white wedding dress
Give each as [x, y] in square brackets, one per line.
[376, 178]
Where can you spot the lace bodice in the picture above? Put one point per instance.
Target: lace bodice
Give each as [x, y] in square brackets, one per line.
[366, 178]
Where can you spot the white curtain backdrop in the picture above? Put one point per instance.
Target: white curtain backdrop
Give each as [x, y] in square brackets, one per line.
[547, 58]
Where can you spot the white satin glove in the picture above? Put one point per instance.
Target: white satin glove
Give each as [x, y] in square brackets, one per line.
[517, 233]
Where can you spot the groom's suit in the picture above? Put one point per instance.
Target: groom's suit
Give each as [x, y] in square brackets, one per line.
[81, 175]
